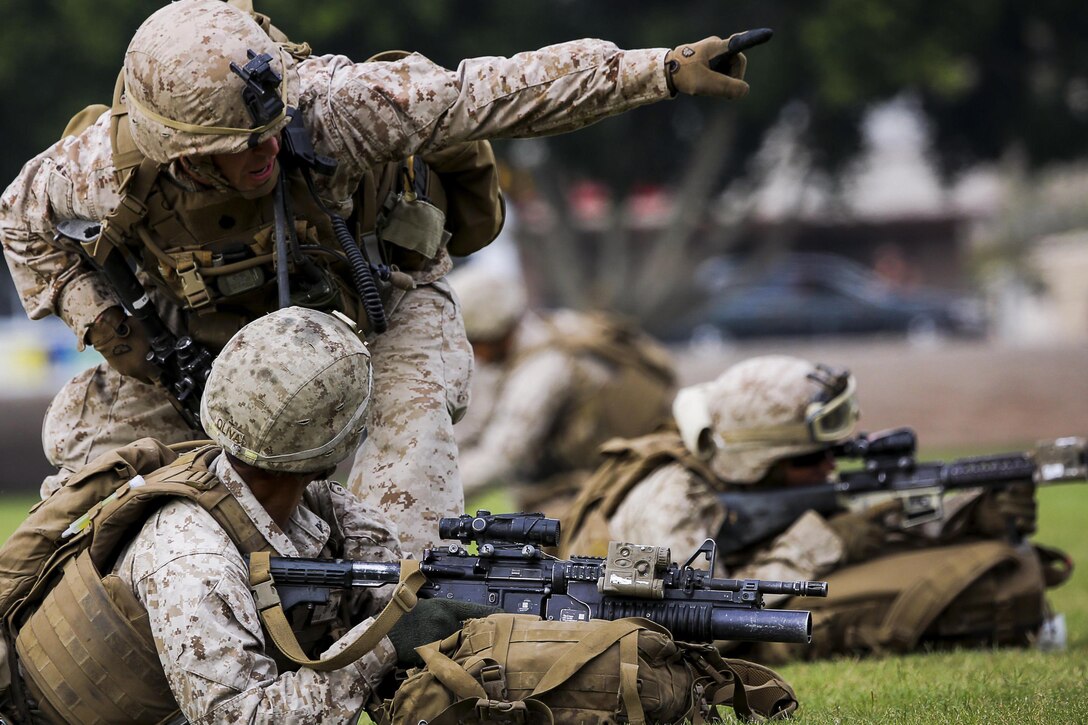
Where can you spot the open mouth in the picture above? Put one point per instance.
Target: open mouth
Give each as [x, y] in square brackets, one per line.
[264, 173]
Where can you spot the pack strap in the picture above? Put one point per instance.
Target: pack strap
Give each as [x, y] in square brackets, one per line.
[283, 637]
[528, 711]
[922, 602]
[599, 640]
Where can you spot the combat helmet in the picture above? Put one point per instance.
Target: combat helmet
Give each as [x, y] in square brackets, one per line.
[182, 97]
[492, 301]
[289, 391]
[763, 410]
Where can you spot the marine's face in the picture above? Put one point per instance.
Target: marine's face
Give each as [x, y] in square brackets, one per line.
[810, 469]
[251, 169]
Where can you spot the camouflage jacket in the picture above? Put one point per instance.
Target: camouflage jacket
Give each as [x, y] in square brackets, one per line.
[184, 569]
[363, 114]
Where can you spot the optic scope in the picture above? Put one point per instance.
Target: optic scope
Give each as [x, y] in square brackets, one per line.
[486, 527]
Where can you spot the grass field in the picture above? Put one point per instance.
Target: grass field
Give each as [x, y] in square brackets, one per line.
[989, 686]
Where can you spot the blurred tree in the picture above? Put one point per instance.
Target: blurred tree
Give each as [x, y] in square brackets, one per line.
[994, 76]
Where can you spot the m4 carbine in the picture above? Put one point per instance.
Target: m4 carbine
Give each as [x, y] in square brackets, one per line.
[183, 363]
[509, 570]
[890, 470]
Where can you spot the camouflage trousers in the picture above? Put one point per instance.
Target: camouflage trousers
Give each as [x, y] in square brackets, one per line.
[407, 465]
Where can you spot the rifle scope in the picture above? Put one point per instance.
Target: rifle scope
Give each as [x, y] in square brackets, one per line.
[509, 528]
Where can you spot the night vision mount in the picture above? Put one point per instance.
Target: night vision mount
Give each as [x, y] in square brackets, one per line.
[261, 93]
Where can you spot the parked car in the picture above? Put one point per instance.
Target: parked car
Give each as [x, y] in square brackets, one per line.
[809, 294]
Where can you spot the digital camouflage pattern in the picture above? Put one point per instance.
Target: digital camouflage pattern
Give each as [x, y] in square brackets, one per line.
[407, 466]
[363, 114]
[178, 76]
[184, 569]
[288, 392]
[760, 392]
[533, 422]
[99, 410]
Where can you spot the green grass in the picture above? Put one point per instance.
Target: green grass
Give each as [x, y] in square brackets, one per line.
[13, 509]
[983, 686]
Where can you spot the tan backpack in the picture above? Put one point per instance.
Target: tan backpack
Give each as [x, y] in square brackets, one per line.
[975, 593]
[519, 668]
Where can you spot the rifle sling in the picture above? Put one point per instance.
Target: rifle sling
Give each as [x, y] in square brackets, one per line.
[283, 637]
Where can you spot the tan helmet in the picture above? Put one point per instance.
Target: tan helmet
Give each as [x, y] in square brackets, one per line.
[288, 391]
[763, 410]
[182, 97]
[492, 301]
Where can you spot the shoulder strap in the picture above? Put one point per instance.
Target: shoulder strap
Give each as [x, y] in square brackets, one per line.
[189, 477]
[135, 175]
[283, 637]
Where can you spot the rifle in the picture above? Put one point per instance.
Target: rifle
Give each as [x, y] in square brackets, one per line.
[509, 570]
[183, 362]
[890, 470]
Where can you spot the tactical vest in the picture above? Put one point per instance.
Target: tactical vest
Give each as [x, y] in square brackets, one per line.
[625, 463]
[635, 398]
[114, 675]
[511, 668]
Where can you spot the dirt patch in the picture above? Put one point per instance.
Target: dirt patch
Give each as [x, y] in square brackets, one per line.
[955, 395]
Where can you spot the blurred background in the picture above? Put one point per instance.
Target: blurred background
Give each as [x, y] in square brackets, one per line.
[904, 192]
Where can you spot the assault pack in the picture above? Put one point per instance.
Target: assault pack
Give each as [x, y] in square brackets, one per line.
[55, 585]
[974, 593]
[511, 668]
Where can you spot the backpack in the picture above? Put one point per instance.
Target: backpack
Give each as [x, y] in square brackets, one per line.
[975, 593]
[26, 553]
[519, 668]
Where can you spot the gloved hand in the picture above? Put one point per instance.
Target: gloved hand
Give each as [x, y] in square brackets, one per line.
[862, 532]
[1014, 504]
[429, 621]
[124, 343]
[687, 68]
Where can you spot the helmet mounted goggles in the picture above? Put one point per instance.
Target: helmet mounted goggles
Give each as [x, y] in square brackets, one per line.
[829, 417]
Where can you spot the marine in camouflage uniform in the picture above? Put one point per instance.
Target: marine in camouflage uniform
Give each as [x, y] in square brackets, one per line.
[186, 115]
[768, 422]
[564, 383]
[282, 420]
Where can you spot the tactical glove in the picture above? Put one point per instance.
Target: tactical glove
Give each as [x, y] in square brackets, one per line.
[687, 68]
[429, 621]
[862, 532]
[123, 342]
[1012, 509]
